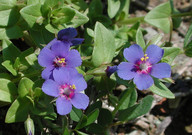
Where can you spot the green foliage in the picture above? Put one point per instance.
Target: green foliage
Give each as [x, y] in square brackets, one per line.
[18, 111]
[26, 26]
[188, 42]
[113, 7]
[104, 44]
[160, 17]
[75, 114]
[137, 110]
[161, 90]
[139, 38]
[25, 87]
[8, 91]
[170, 54]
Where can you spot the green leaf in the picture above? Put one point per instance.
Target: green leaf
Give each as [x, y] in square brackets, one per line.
[81, 133]
[104, 44]
[188, 36]
[18, 111]
[9, 13]
[62, 15]
[155, 39]
[75, 114]
[90, 32]
[82, 122]
[105, 117]
[25, 87]
[9, 66]
[92, 107]
[113, 7]
[91, 117]
[96, 129]
[8, 91]
[31, 59]
[95, 8]
[31, 14]
[161, 90]
[10, 51]
[188, 42]
[130, 99]
[139, 38]
[13, 32]
[41, 37]
[169, 54]
[137, 110]
[78, 20]
[160, 17]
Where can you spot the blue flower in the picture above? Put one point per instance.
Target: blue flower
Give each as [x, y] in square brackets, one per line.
[110, 70]
[58, 56]
[140, 67]
[66, 87]
[67, 36]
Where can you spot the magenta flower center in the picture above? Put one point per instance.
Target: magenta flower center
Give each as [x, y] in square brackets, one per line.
[67, 91]
[143, 66]
[59, 62]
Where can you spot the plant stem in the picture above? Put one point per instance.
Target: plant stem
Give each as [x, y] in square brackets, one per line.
[131, 20]
[141, 19]
[181, 14]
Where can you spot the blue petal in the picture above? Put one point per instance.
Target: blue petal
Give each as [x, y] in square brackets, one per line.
[63, 106]
[77, 41]
[68, 33]
[60, 49]
[155, 53]
[47, 73]
[161, 70]
[78, 81]
[73, 59]
[143, 81]
[133, 53]
[51, 43]
[64, 75]
[46, 57]
[110, 70]
[80, 101]
[126, 70]
[51, 88]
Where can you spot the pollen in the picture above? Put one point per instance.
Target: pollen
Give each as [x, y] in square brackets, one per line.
[145, 58]
[72, 86]
[142, 59]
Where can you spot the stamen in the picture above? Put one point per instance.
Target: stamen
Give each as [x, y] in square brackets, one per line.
[145, 58]
[142, 59]
[67, 91]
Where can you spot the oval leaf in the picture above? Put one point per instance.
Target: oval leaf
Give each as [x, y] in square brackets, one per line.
[104, 46]
[161, 90]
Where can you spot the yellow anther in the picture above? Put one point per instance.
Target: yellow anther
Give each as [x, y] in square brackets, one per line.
[145, 55]
[146, 58]
[73, 86]
[142, 59]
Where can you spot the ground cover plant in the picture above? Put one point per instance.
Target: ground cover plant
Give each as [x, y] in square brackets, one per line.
[62, 61]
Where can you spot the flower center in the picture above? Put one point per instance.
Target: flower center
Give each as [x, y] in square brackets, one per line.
[143, 66]
[67, 91]
[59, 62]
